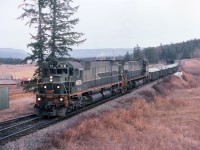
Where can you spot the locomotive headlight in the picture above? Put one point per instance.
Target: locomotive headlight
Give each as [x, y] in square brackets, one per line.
[51, 78]
[61, 99]
[45, 86]
[58, 86]
[39, 99]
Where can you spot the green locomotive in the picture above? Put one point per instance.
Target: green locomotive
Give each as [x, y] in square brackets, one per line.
[67, 85]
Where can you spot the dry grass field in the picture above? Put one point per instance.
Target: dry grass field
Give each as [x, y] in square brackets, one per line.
[21, 103]
[18, 71]
[167, 117]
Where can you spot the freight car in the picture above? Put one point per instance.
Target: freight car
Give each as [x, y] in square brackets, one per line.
[158, 72]
[67, 85]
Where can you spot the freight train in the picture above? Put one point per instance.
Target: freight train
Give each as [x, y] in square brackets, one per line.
[68, 85]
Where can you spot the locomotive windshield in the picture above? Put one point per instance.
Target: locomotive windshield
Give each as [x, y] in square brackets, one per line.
[48, 72]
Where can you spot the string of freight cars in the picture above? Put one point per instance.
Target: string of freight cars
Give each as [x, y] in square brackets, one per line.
[69, 85]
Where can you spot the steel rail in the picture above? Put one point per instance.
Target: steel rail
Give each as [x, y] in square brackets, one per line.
[15, 119]
[26, 129]
[21, 123]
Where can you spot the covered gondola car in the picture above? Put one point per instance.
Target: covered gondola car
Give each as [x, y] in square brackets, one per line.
[154, 73]
[157, 72]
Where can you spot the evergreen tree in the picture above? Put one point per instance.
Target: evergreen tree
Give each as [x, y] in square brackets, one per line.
[127, 56]
[151, 55]
[55, 35]
[33, 11]
[137, 54]
[170, 52]
[61, 26]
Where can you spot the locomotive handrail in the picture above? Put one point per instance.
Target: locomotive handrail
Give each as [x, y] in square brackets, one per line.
[64, 87]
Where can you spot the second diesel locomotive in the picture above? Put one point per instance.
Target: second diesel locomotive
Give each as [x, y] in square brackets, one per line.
[67, 85]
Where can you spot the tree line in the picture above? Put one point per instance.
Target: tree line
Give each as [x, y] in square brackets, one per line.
[10, 61]
[167, 53]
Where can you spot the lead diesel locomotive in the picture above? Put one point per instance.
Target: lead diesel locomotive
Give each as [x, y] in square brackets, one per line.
[67, 85]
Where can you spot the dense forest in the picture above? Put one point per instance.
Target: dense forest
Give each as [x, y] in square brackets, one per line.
[167, 53]
[10, 61]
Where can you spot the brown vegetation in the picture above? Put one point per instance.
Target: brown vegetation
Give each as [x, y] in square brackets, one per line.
[21, 103]
[169, 121]
[18, 71]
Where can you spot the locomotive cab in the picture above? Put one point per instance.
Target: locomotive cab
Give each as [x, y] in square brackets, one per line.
[58, 81]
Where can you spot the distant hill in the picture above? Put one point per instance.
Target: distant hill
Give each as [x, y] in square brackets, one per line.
[12, 53]
[77, 53]
[82, 53]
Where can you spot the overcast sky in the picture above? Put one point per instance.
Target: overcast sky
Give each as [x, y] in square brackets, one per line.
[115, 23]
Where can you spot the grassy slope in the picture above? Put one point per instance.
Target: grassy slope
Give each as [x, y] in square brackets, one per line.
[167, 118]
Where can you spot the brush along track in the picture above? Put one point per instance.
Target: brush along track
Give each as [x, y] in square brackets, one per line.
[17, 130]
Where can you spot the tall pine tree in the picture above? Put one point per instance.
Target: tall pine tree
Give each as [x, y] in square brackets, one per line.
[55, 30]
[33, 11]
[137, 54]
[61, 26]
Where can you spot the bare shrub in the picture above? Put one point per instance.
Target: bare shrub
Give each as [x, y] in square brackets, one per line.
[191, 81]
[159, 89]
[148, 95]
[169, 84]
[165, 104]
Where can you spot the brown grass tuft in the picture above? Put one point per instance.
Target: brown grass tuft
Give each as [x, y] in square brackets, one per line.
[148, 95]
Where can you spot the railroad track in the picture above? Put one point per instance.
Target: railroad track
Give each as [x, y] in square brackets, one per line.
[16, 120]
[16, 128]
[13, 129]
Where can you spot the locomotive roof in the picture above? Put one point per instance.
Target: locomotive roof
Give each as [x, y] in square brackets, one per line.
[154, 69]
[76, 65]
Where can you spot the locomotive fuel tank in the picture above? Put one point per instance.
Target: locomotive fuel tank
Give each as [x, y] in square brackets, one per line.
[107, 94]
[96, 97]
